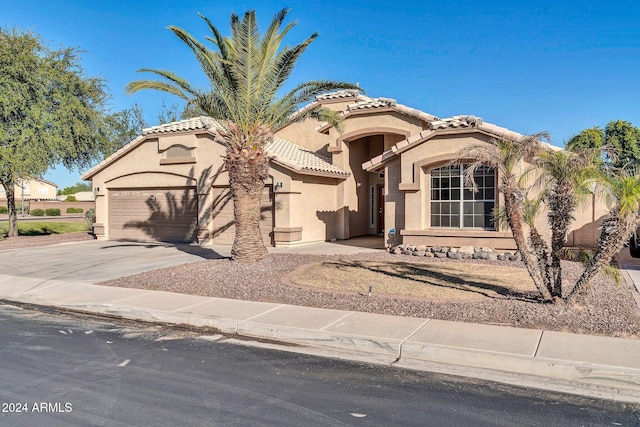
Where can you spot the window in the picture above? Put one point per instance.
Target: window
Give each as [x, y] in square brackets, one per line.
[456, 205]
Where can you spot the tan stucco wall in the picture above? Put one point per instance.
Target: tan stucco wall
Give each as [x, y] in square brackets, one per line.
[302, 202]
[411, 172]
[141, 167]
[34, 190]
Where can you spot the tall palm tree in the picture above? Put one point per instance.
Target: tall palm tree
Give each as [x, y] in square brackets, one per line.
[564, 179]
[246, 72]
[623, 190]
[507, 156]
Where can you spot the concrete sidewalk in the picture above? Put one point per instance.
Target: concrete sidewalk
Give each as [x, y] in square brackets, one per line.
[587, 365]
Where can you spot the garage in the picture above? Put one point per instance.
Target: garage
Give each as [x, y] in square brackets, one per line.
[159, 214]
[223, 227]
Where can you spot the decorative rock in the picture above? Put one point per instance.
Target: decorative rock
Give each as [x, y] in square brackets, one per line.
[436, 249]
[476, 249]
[397, 250]
[466, 250]
[454, 255]
[502, 257]
[493, 256]
[513, 257]
[466, 256]
[440, 254]
[418, 253]
[488, 250]
[428, 254]
[421, 248]
[480, 255]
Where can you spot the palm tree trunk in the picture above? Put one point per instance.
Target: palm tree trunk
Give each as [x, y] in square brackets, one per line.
[247, 172]
[514, 217]
[561, 207]
[612, 238]
[542, 254]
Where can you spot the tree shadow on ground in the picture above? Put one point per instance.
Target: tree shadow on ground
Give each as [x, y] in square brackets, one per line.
[429, 276]
[192, 249]
[42, 231]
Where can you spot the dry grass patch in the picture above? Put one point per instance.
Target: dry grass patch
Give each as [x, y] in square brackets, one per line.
[435, 282]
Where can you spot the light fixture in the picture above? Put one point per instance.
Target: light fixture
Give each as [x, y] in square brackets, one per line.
[278, 186]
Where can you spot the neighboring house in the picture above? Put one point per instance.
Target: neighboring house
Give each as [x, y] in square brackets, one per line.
[388, 169]
[32, 189]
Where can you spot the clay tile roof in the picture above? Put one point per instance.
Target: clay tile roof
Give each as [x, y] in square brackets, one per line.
[288, 154]
[301, 159]
[347, 93]
[456, 122]
[373, 103]
[195, 123]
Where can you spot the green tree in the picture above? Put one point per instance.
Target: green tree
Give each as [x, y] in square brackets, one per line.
[620, 140]
[50, 112]
[78, 187]
[121, 128]
[246, 72]
[588, 138]
[624, 140]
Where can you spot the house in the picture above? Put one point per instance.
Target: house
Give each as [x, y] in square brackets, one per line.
[31, 189]
[389, 168]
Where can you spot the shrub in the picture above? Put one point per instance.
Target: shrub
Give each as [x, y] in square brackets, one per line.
[74, 210]
[37, 212]
[71, 199]
[90, 217]
[52, 212]
[3, 210]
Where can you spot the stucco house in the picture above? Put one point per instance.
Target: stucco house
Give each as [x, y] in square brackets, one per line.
[389, 168]
[31, 189]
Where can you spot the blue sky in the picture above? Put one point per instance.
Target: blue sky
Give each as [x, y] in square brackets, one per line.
[525, 65]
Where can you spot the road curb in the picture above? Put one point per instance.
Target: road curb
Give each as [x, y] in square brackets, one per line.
[586, 379]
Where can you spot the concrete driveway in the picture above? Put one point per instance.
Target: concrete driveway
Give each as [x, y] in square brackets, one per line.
[94, 261]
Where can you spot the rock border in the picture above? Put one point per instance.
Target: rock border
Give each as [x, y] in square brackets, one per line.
[463, 252]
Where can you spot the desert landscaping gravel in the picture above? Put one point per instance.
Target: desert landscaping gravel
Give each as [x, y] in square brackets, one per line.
[608, 309]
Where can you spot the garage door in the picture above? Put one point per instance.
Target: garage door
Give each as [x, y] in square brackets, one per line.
[223, 228]
[161, 214]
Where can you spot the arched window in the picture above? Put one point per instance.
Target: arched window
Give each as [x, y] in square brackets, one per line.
[456, 205]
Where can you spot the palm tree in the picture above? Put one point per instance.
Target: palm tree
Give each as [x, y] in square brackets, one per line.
[507, 157]
[623, 189]
[246, 72]
[564, 180]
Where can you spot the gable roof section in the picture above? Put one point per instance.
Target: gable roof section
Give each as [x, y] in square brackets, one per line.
[35, 178]
[455, 124]
[371, 105]
[285, 153]
[196, 123]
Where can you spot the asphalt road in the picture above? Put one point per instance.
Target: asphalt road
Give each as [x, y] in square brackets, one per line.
[63, 370]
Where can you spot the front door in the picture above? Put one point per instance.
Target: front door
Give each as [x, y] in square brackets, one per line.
[380, 209]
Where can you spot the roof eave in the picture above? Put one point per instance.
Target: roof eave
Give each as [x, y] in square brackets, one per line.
[304, 171]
